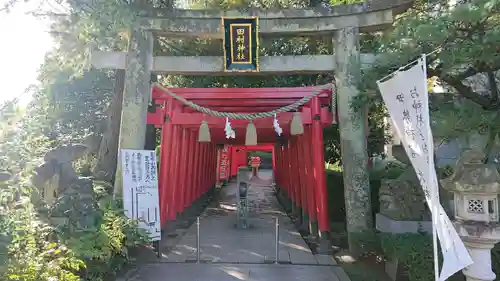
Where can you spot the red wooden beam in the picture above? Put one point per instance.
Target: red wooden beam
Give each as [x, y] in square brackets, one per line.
[277, 103]
[194, 119]
[238, 93]
[268, 147]
[197, 118]
[244, 100]
[246, 109]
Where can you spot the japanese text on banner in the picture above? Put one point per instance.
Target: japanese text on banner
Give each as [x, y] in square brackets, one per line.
[140, 190]
[406, 97]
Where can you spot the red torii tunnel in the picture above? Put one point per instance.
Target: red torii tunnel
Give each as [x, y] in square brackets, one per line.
[188, 168]
[237, 157]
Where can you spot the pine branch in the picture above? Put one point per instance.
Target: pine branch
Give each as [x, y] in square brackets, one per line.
[488, 103]
[493, 85]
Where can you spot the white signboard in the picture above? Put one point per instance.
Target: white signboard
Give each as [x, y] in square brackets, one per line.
[406, 97]
[140, 189]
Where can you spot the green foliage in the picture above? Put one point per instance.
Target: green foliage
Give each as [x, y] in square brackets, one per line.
[392, 171]
[462, 43]
[32, 256]
[91, 26]
[335, 190]
[38, 251]
[104, 248]
[31, 249]
[376, 131]
[78, 104]
[413, 250]
[454, 120]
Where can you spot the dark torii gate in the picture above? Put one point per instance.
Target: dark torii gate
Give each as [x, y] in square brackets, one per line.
[188, 167]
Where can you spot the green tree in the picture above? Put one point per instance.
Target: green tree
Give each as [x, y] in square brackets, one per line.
[462, 42]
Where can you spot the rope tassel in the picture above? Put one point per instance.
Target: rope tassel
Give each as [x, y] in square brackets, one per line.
[251, 135]
[204, 132]
[296, 126]
[277, 127]
[230, 134]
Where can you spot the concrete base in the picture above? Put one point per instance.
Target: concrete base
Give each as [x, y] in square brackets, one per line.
[188, 216]
[295, 210]
[391, 268]
[298, 218]
[284, 201]
[304, 225]
[325, 246]
[386, 224]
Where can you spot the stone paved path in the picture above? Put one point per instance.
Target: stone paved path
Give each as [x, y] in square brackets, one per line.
[228, 253]
[237, 272]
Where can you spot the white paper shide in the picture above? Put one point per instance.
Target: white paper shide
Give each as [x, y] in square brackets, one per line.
[406, 97]
[140, 189]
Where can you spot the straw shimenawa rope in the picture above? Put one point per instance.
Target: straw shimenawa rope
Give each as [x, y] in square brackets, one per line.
[251, 116]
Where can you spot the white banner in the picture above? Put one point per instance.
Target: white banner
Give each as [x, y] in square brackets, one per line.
[140, 190]
[406, 97]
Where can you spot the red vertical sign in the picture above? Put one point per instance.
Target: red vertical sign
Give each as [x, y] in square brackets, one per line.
[224, 163]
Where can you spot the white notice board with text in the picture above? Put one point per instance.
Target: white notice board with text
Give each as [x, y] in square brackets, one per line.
[140, 189]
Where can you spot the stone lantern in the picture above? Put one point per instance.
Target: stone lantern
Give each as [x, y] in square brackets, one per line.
[475, 188]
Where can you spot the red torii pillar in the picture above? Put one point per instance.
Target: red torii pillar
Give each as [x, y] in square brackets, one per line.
[303, 222]
[183, 167]
[311, 194]
[197, 170]
[288, 179]
[165, 155]
[190, 169]
[320, 177]
[294, 179]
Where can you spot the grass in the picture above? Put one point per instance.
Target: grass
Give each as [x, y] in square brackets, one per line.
[333, 167]
[365, 270]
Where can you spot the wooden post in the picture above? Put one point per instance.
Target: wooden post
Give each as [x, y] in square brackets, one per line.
[190, 169]
[215, 163]
[302, 181]
[277, 169]
[352, 135]
[183, 165]
[208, 167]
[202, 168]
[286, 171]
[274, 162]
[320, 183]
[136, 96]
[196, 170]
[311, 190]
[165, 154]
[174, 168]
[294, 179]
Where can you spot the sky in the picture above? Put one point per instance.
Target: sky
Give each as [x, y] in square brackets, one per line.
[25, 41]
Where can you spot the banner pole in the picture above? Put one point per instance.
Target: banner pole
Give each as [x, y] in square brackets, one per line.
[435, 185]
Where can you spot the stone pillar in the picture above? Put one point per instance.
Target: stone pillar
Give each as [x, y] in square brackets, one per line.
[136, 95]
[480, 252]
[352, 135]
